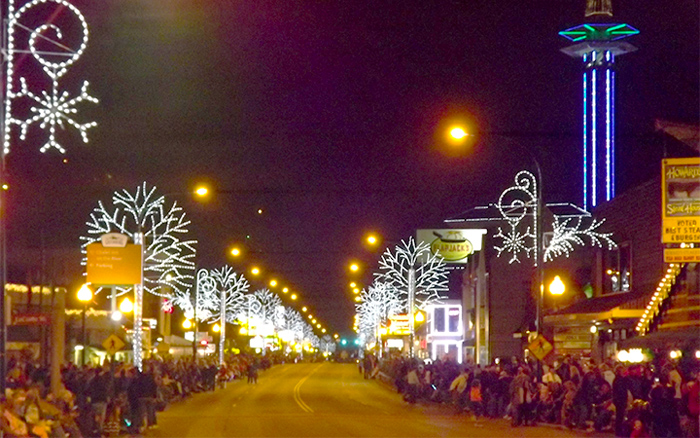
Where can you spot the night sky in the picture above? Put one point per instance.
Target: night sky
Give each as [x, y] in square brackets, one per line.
[328, 115]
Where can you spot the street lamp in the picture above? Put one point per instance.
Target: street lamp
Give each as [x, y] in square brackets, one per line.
[84, 296]
[557, 287]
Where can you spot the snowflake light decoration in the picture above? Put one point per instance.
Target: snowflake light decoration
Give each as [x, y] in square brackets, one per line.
[569, 232]
[518, 202]
[515, 204]
[168, 258]
[413, 266]
[53, 109]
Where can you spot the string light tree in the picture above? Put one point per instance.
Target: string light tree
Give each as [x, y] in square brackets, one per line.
[418, 276]
[220, 297]
[24, 106]
[377, 303]
[159, 227]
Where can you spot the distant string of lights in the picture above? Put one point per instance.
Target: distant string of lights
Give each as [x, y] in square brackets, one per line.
[661, 293]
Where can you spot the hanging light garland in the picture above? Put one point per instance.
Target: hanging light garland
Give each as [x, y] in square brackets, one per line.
[661, 293]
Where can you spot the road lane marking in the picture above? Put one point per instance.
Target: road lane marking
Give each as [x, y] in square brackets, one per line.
[297, 392]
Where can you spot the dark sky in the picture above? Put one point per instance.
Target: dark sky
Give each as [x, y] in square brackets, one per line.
[326, 114]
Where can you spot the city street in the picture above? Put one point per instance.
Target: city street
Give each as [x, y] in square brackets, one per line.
[323, 399]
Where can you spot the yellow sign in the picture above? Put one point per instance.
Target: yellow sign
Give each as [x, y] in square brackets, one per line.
[113, 344]
[540, 347]
[113, 265]
[681, 255]
[680, 200]
[398, 325]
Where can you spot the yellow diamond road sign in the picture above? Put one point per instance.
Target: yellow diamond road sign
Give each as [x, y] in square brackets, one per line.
[113, 344]
[540, 347]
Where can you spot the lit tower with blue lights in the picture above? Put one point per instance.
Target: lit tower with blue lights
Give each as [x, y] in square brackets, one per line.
[598, 43]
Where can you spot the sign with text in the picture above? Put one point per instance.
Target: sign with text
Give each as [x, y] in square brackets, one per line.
[454, 245]
[681, 255]
[20, 318]
[680, 200]
[113, 265]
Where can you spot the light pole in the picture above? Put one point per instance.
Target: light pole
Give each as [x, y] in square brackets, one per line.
[458, 135]
[84, 296]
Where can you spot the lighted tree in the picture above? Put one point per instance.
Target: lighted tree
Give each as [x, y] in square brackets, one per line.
[414, 273]
[212, 286]
[168, 259]
[377, 303]
[267, 305]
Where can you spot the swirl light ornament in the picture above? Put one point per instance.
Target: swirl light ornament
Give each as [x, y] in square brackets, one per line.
[514, 204]
[53, 108]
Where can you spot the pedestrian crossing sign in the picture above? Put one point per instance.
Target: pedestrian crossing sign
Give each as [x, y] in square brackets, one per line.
[113, 344]
[540, 347]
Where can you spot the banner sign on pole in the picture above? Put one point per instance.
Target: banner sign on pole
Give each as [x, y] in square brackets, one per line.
[680, 200]
[113, 265]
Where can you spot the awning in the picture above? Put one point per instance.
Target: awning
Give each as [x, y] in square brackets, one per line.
[665, 340]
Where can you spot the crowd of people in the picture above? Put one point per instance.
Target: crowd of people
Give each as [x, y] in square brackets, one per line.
[111, 399]
[629, 400]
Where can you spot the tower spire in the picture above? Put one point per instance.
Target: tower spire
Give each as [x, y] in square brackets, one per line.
[598, 7]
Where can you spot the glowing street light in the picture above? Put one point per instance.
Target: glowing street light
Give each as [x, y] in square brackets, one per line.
[293, 297]
[353, 284]
[235, 251]
[354, 267]
[85, 296]
[216, 328]
[187, 324]
[557, 287]
[458, 133]
[273, 283]
[285, 289]
[201, 191]
[126, 306]
[304, 309]
[255, 270]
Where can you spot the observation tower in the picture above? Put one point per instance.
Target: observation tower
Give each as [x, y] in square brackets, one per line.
[598, 43]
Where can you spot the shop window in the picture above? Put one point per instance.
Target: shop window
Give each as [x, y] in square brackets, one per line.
[618, 269]
[439, 323]
[453, 319]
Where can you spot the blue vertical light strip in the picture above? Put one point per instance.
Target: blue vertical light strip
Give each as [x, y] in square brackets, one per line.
[612, 125]
[608, 140]
[594, 133]
[585, 138]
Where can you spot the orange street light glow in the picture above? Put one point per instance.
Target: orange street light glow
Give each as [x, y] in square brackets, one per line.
[273, 283]
[235, 252]
[353, 284]
[201, 191]
[458, 133]
[294, 296]
[255, 271]
[303, 309]
[285, 290]
[354, 267]
[356, 291]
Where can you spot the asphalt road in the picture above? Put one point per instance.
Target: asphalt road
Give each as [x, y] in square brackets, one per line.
[323, 400]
